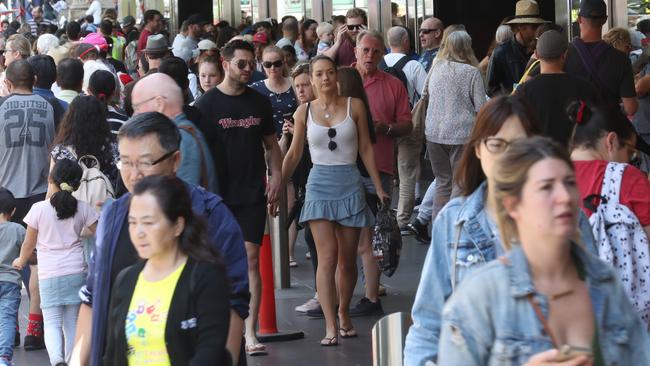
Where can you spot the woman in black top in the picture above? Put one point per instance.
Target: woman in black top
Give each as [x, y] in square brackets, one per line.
[194, 308]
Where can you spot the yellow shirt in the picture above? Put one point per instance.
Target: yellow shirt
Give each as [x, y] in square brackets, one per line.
[146, 320]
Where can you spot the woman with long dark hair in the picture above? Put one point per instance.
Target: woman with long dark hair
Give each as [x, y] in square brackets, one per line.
[306, 44]
[85, 131]
[181, 283]
[103, 86]
[335, 206]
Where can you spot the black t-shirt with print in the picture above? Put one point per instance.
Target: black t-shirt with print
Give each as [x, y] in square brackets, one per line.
[234, 127]
[550, 95]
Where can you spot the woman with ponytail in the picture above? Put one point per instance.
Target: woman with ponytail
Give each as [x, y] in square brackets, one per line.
[54, 228]
[181, 282]
[103, 86]
[602, 136]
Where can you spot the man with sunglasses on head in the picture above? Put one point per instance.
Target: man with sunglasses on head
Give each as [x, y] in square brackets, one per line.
[238, 125]
[430, 38]
[342, 51]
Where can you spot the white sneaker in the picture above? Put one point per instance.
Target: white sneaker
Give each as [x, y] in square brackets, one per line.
[311, 304]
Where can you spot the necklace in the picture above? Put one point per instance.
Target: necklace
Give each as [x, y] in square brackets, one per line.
[561, 294]
[327, 113]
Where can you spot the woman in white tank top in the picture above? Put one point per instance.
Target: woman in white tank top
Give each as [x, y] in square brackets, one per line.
[337, 131]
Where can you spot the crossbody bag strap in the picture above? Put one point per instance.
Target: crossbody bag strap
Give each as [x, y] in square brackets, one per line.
[204, 172]
[425, 92]
[542, 319]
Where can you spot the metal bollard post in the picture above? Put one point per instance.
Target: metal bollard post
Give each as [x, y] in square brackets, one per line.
[280, 244]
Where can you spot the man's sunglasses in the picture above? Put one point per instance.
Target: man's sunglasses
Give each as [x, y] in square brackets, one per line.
[427, 31]
[353, 27]
[241, 64]
[269, 64]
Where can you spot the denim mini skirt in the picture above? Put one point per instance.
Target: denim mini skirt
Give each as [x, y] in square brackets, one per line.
[62, 290]
[335, 193]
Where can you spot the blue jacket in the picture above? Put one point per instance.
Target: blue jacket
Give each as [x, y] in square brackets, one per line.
[489, 320]
[462, 223]
[222, 229]
[189, 168]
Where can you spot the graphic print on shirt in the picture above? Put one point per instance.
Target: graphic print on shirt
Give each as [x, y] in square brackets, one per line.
[25, 126]
[244, 122]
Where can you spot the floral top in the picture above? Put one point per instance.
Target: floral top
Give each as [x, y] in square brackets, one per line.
[60, 152]
[284, 104]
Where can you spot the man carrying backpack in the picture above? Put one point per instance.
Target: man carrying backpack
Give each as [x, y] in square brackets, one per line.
[412, 74]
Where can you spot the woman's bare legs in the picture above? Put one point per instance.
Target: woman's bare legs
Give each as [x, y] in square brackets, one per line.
[348, 239]
[324, 233]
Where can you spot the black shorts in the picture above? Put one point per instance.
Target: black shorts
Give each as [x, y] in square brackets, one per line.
[252, 220]
[23, 205]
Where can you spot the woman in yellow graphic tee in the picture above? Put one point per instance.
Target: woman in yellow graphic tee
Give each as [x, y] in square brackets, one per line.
[172, 308]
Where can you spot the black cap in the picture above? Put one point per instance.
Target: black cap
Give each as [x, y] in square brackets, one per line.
[128, 20]
[593, 9]
[196, 19]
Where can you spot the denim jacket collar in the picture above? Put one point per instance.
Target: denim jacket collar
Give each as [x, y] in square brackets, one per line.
[469, 214]
[521, 283]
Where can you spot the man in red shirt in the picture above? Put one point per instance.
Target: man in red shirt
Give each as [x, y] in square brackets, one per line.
[342, 51]
[391, 114]
[153, 24]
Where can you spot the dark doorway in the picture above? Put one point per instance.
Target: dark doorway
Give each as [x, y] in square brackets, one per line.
[482, 17]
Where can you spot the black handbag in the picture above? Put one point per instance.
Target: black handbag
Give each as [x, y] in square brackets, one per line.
[386, 240]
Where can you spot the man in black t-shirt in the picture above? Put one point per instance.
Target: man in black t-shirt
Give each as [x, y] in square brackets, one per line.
[612, 73]
[239, 126]
[553, 90]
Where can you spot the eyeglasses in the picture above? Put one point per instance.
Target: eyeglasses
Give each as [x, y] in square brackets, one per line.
[269, 64]
[135, 106]
[353, 27]
[241, 64]
[143, 166]
[428, 30]
[496, 145]
[331, 133]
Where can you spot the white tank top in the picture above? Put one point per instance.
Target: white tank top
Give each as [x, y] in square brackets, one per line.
[347, 145]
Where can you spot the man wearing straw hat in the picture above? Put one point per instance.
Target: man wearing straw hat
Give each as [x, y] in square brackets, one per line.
[509, 59]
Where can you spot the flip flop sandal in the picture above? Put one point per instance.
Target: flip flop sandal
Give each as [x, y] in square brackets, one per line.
[329, 342]
[348, 333]
[257, 349]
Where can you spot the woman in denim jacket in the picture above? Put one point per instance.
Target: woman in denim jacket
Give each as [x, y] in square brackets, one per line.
[547, 294]
[464, 232]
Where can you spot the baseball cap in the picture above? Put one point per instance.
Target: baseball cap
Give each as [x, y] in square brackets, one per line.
[260, 37]
[551, 44]
[196, 19]
[206, 45]
[593, 9]
[96, 39]
[82, 49]
[128, 20]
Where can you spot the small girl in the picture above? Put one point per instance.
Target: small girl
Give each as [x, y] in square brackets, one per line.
[53, 228]
[325, 33]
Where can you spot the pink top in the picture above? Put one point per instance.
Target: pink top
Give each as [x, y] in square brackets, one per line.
[389, 103]
[59, 248]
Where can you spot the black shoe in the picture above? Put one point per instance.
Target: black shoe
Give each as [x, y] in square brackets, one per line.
[33, 343]
[420, 230]
[17, 339]
[365, 307]
[318, 312]
[405, 230]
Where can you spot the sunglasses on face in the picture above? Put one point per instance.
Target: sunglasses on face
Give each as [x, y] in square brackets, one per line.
[353, 27]
[241, 64]
[427, 31]
[269, 64]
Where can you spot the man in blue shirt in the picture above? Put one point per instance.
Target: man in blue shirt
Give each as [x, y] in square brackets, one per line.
[149, 145]
[430, 38]
[45, 70]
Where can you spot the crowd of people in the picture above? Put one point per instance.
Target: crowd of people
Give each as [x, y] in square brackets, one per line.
[137, 174]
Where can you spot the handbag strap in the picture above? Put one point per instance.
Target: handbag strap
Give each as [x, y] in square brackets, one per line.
[536, 309]
[425, 92]
[204, 172]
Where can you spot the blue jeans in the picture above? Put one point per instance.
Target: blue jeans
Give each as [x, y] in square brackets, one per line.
[9, 304]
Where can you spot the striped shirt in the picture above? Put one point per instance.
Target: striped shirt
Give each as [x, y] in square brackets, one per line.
[115, 119]
[33, 25]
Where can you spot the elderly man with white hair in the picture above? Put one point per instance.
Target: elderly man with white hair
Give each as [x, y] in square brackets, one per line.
[45, 43]
[410, 146]
[158, 92]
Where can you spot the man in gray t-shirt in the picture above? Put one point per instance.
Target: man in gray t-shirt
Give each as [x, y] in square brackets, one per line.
[27, 122]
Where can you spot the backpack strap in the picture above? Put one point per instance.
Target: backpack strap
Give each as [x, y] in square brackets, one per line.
[612, 181]
[399, 65]
[204, 172]
[589, 59]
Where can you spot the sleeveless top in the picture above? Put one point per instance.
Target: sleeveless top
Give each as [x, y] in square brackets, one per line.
[345, 138]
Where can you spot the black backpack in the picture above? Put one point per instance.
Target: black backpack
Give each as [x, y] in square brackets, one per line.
[397, 70]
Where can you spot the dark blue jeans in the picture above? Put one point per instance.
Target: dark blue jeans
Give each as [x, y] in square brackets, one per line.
[9, 304]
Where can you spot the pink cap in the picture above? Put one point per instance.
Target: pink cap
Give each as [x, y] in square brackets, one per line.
[260, 37]
[96, 39]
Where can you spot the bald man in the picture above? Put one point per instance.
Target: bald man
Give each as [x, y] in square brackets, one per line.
[430, 38]
[158, 92]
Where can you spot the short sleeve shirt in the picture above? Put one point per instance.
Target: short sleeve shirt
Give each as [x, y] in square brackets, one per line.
[345, 55]
[284, 104]
[635, 187]
[60, 251]
[389, 103]
[12, 236]
[234, 128]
